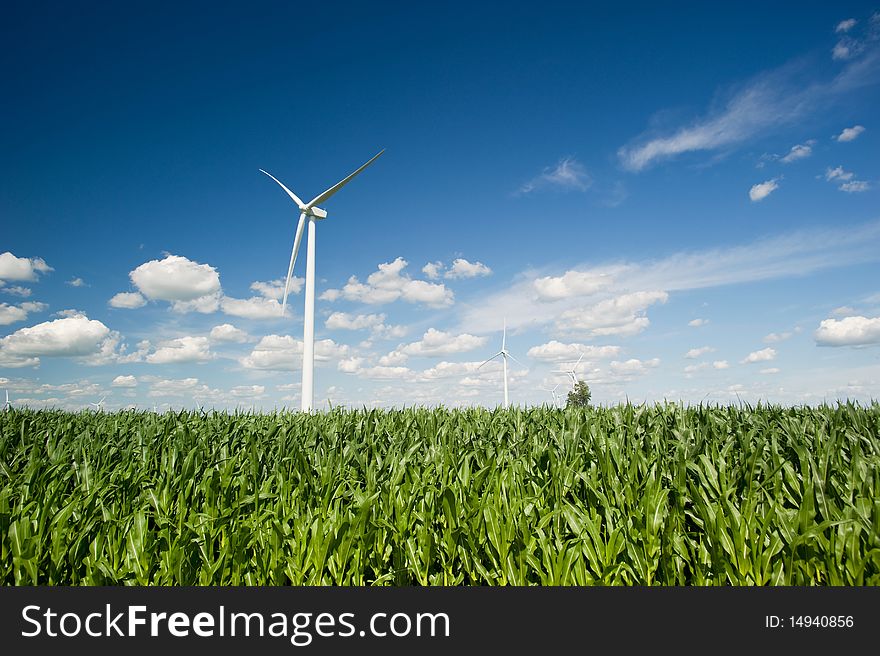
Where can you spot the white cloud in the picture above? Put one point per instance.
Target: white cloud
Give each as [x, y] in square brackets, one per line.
[571, 284]
[845, 25]
[696, 323]
[228, 333]
[175, 278]
[256, 307]
[389, 284]
[350, 365]
[461, 268]
[850, 134]
[174, 387]
[24, 292]
[800, 151]
[203, 304]
[68, 337]
[720, 364]
[634, 367]
[284, 353]
[761, 190]
[774, 338]
[771, 99]
[764, 355]
[841, 50]
[247, 391]
[844, 311]
[694, 353]
[567, 175]
[850, 331]
[837, 174]
[554, 351]
[436, 342]
[275, 288]
[13, 313]
[432, 270]
[771, 370]
[855, 186]
[393, 359]
[375, 323]
[622, 315]
[21, 268]
[694, 368]
[76, 282]
[182, 349]
[127, 300]
[124, 381]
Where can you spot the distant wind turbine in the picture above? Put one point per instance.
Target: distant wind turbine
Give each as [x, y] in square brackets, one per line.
[504, 353]
[572, 372]
[553, 394]
[100, 404]
[314, 213]
[7, 405]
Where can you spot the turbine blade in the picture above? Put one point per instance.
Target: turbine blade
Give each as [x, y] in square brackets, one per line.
[339, 185]
[295, 198]
[515, 360]
[296, 241]
[578, 362]
[492, 358]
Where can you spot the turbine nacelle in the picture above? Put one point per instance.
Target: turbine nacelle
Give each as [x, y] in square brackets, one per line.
[316, 212]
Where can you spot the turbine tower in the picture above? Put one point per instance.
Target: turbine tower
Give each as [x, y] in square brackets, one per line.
[314, 213]
[553, 393]
[7, 406]
[504, 353]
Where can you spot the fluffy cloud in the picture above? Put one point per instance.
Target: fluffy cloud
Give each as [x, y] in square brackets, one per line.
[67, 337]
[850, 134]
[12, 313]
[228, 333]
[24, 292]
[763, 355]
[773, 338]
[633, 367]
[275, 288]
[800, 151]
[181, 349]
[127, 300]
[432, 270]
[761, 190]
[284, 353]
[554, 351]
[696, 323]
[389, 284]
[21, 268]
[203, 304]
[855, 186]
[850, 331]
[720, 364]
[436, 342]
[174, 387]
[461, 268]
[571, 284]
[124, 381]
[375, 323]
[247, 391]
[256, 307]
[694, 353]
[177, 279]
[76, 282]
[837, 174]
[622, 315]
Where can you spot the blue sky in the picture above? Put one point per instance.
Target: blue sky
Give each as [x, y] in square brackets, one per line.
[686, 195]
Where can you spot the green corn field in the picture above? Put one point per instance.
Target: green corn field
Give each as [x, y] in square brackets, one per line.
[624, 495]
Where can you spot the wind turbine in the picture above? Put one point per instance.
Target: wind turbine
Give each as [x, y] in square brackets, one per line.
[504, 353]
[99, 406]
[314, 213]
[572, 372]
[7, 406]
[553, 394]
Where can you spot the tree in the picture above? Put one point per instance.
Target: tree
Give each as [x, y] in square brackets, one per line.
[579, 397]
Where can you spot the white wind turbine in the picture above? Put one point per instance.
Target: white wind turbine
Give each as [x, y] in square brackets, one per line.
[504, 353]
[314, 213]
[7, 405]
[553, 393]
[572, 372]
[99, 406]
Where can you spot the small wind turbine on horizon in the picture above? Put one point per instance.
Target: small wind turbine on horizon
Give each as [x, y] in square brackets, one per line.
[504, 353]
[553, 393]
[7, 405]
[314, 213]
[99, 406]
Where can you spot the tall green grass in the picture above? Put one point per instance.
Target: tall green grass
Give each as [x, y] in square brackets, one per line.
[646, 495]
